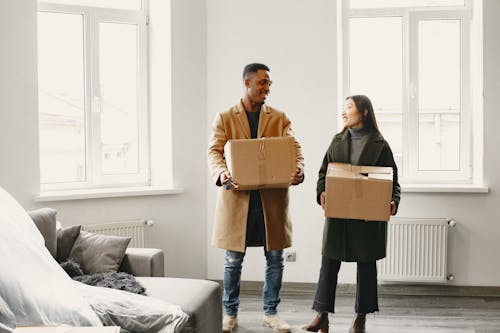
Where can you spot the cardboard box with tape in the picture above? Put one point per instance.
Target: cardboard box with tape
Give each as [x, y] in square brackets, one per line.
[358, 192]
[261, 163]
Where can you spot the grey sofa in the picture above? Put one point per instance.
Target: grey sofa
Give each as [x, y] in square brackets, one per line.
[200, 299]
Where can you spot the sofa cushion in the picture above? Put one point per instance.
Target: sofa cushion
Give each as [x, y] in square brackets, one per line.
[66, 238]
[45, 221]
[200, 299]
[99, 253]
[143, 262]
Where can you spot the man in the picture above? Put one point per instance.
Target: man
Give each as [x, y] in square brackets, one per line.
[251, 218]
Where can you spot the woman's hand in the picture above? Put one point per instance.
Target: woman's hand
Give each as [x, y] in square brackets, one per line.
[322, 199]
[393, 208]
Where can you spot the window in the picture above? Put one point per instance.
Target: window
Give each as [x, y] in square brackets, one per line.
[412, 58]
[93, 107]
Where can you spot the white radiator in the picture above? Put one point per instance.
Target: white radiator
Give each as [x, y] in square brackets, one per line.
[128, 228]
[417, 250]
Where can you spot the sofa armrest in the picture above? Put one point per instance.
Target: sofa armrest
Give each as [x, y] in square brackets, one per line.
[143, 262]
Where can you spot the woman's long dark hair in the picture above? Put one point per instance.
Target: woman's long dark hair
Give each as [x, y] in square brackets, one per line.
[363, 103]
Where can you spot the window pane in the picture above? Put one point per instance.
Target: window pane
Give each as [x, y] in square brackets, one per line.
[115, 4]
[439, 95]
[61, 97]
[119, 83]
[404, 3]
[375, 69]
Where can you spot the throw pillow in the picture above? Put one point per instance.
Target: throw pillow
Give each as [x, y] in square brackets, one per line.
[32, 284]
[99, 253]
[66, 238]
[45, 221]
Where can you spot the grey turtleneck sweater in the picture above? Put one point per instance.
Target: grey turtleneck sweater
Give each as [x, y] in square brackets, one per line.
[359, 137]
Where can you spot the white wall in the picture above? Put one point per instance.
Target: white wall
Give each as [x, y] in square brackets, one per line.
[180, 219]
[19, 171]
[297, 40]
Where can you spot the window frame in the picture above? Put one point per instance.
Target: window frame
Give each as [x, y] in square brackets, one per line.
[464, 173]
[410, 16]
[92, 17]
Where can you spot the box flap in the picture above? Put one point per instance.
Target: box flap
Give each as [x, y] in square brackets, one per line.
[335, 166]
[359, 171]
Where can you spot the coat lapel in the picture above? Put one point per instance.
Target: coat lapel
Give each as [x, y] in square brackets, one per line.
[265, 114]
[343, 153]
[372, 150]
[243, 120]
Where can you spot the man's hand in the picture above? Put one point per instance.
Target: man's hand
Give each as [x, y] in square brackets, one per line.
[322, 199]
[227, 181]
[297, 177]
[224, 177]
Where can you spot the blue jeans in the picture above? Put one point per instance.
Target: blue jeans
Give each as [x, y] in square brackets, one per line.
[272, 285]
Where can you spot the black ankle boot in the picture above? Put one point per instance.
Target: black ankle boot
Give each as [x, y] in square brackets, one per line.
[319, 324]
[358, 325]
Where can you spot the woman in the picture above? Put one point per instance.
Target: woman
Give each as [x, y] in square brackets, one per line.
[364, 242]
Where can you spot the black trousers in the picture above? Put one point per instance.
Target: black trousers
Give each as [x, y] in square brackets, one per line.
[366, 287]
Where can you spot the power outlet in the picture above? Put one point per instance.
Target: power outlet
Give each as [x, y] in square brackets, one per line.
[290, 256]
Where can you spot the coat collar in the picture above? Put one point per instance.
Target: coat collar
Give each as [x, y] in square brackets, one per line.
[370, 154]
[265, 114]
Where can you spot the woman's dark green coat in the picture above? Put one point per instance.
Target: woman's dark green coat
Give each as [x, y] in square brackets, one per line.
[357, 240]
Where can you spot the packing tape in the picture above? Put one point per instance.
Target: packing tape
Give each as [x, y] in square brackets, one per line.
[261, 158]
[262, 150]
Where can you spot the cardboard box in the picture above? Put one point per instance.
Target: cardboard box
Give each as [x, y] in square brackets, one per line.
[66, 329]
[358, 192]
[261, 163]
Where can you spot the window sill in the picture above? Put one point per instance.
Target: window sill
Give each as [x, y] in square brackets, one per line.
[106, 193]
[444, 188]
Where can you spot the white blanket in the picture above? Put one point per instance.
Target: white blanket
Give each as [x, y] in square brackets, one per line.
[132, 312]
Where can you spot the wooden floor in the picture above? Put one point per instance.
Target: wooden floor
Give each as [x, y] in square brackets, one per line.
[398, 313]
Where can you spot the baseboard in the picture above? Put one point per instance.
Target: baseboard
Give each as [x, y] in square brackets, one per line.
[393, 289]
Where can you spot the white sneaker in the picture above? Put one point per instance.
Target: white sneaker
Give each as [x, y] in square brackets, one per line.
[276, 323]
[229, 323]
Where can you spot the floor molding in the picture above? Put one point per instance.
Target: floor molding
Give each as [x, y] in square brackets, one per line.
[392, 289]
